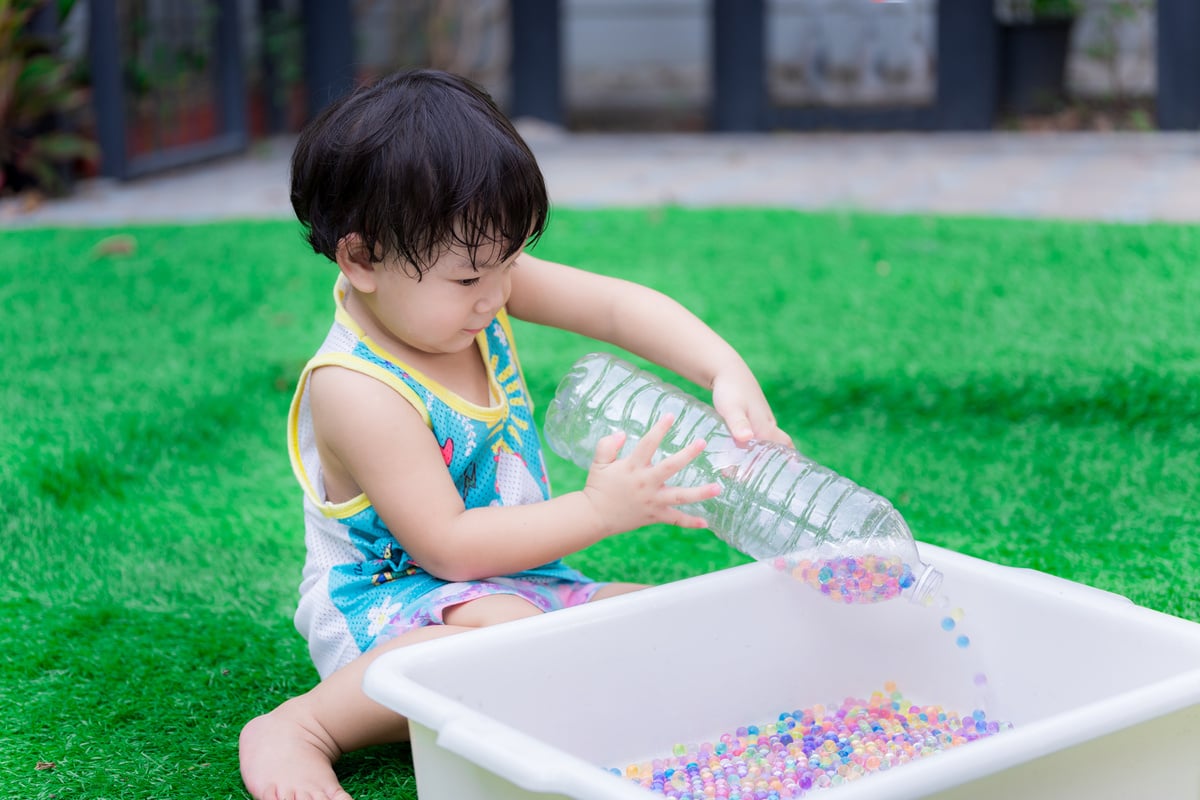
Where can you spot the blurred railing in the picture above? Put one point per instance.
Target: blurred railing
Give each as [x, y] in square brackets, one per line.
[167, 83]
[170, 83]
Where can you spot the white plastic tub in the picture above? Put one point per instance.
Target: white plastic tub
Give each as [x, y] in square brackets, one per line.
[1104, 695]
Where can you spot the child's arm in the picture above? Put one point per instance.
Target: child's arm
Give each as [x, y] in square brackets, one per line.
[650, 324]
[373, 441]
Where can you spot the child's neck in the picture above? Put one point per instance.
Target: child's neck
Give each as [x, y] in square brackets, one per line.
[463, 372]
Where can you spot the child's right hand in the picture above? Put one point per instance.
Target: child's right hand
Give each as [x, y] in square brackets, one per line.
[631, 492]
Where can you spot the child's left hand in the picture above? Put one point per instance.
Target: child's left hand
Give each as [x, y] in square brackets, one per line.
[739, 400]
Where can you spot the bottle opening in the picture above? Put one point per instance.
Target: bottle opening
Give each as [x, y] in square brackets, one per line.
[924, 590]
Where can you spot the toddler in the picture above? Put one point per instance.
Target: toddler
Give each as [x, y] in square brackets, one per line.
[426, 503]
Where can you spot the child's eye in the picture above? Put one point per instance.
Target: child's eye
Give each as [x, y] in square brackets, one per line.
[468, 281]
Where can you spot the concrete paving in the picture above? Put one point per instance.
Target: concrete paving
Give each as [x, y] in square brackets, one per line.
[1123, 177]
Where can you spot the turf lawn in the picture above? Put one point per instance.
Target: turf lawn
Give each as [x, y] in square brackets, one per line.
[1024, 392]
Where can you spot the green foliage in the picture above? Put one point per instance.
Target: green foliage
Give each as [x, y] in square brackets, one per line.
[1105, 47]
[1029, 10]
[1050, 8]
[38, 93]
[162, 59]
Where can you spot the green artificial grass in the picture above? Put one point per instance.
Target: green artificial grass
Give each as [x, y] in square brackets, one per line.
[1025, 392]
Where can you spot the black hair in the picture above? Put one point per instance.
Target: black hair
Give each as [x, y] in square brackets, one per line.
[414, 163]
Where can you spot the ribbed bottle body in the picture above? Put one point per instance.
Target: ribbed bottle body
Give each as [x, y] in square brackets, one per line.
[774, 502]
[602, 395]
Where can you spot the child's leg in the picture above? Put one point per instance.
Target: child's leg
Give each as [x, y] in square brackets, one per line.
[614, 589]
[490, 610]
[289, 753]
[501, 607]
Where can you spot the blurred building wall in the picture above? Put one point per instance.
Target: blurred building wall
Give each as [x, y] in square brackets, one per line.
[652, 57]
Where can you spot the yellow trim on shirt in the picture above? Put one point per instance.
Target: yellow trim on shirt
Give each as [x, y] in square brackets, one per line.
[355, 364]
[460, 404]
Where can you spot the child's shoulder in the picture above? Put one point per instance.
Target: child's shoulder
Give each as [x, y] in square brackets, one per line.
[337, 391]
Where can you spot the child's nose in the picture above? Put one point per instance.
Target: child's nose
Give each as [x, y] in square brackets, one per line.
[490, 300]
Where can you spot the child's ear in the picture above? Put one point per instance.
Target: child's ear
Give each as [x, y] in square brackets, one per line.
[354, 260]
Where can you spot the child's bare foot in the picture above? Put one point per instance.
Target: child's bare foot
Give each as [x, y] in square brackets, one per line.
[285, 755]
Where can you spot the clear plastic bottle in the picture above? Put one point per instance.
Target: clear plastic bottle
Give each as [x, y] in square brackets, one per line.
[774, 504]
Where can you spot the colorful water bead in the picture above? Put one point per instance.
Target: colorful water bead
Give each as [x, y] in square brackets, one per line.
[810, 749]
[852, 579]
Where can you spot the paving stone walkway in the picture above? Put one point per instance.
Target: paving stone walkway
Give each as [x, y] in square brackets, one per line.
[1124, 177]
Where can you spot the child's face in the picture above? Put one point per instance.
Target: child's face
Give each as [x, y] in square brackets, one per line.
[451, 303]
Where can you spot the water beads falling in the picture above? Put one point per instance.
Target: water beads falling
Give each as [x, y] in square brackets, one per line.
[872, 578]
[866, 578]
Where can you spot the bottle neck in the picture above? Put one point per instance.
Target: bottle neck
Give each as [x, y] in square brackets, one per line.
[924, 589]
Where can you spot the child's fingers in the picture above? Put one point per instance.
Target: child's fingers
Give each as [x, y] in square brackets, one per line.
[682, 496]
[766, 428]
[741, 428]
[677, 461]
[645, 449]
[689, 521]
[608, 448]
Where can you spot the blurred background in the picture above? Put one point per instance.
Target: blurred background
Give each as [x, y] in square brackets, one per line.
[124, 88]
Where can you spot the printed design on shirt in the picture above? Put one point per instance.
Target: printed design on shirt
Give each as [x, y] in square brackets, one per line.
[462, 438]
[468, 481]
[381, 614]
[391, 558]
[513, 426]
[515, 485]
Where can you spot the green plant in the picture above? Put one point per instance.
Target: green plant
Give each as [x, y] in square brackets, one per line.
[1106, 47]
[1029, 10]
[38, 92]
[283, 36]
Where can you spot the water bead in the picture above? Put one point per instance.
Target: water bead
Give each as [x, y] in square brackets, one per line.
[948, 624]
[854, 579]
[831, 746]
[962, 641]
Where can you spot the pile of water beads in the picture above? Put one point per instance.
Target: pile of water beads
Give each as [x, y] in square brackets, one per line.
[810, 749]
[852, 579]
